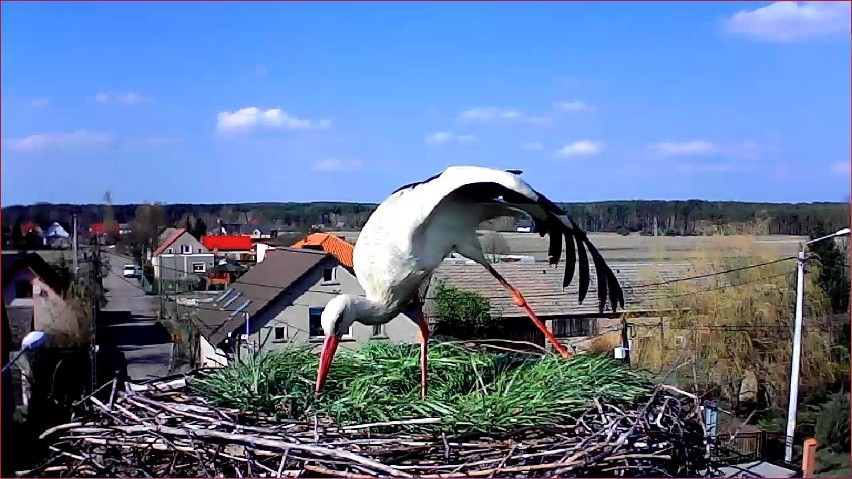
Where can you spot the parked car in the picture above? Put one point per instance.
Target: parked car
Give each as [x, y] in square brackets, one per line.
[130, 271]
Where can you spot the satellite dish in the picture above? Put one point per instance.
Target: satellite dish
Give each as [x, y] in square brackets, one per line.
[33, 340]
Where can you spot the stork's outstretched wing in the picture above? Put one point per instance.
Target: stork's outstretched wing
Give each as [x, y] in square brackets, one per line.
[506, 190]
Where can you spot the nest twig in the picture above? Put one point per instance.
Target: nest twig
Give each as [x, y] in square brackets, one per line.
[168, 432]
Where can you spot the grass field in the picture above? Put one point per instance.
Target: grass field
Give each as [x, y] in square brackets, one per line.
[615, 247]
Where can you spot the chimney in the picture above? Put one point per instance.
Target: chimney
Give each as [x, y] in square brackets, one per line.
[261, 251]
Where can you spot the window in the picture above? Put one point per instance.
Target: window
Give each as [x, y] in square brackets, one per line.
[199, 251]
[328, 275]
[199, 267]
[185, 249]
[379, 331]
[170, 251]
[574, 327]
[281, 333]
[314, 325]
[23, 289]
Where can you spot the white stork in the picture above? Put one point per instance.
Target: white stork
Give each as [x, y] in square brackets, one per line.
[418, 225]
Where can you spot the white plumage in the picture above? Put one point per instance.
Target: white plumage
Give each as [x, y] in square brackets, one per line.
[417, 226]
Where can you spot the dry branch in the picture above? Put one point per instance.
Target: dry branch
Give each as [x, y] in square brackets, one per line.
[168, 432]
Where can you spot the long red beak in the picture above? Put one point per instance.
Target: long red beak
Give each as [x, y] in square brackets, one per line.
[329, 347]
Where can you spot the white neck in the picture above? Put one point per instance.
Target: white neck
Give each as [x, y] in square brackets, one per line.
[368, 311]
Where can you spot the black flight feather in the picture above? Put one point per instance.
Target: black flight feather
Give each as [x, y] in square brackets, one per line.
[554, 226]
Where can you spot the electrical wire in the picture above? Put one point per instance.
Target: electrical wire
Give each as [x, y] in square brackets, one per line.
[542, 295]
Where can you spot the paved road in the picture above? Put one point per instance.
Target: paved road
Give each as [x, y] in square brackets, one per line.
[128, 324]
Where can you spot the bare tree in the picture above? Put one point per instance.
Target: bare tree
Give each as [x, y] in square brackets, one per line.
[493, 244]
[147, 222]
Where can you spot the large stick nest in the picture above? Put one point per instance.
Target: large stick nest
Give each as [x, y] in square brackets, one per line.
[163, 430]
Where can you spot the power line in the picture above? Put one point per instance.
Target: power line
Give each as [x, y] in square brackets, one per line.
[543, 295]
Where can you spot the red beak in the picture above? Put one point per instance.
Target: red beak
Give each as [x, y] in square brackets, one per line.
[329, 347]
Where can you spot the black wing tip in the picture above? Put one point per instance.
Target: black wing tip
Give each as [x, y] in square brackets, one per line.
[515, 172]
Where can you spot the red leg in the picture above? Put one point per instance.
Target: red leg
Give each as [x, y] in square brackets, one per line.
[423, 338]
[522, 303]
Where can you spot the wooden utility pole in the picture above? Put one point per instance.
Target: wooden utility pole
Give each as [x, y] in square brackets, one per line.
[625, 340]
[96, 289]
[75, 246]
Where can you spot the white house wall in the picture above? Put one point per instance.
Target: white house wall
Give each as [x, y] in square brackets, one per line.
[209, 356]
[291, 312]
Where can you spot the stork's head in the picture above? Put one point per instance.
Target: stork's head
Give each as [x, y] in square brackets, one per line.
[336, 319]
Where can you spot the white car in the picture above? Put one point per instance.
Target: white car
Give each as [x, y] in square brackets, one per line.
[130, 271]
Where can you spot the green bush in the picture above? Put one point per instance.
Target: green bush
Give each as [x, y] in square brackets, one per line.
[832, 423]
[464, 315]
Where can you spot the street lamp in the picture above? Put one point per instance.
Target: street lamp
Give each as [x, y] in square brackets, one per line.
[796, 360]
[32, 341]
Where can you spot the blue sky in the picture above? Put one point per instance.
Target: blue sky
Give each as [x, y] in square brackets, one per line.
[208, 103]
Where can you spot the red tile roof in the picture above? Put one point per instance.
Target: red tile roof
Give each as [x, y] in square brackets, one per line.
[29, 226]
[101, 228]
[168, 241]
[330, 244]
[227, 242]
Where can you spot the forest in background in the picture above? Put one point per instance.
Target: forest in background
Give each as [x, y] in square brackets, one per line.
[688, 217]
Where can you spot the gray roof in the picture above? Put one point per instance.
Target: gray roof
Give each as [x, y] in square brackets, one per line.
[282, 268]
[541, 285]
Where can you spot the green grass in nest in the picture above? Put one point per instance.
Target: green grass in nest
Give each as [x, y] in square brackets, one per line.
[470, 391]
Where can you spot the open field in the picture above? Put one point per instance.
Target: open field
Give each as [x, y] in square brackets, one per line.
[615, 247]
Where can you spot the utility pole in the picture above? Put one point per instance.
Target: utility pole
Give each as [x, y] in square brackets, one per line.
[75, 245]
[796, 360]
[96, 288]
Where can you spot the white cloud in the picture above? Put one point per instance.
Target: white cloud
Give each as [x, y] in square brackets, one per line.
[532, 145]
[499, 115]
[128, 99]
[336, 165]
[575, 105]
[750, 150]
[445, 137]
[711, 167]
[274, 118]
[160, 141]
[841, 168]
[792, 21]
[581, 148]
[680, 148]
[52, 141]
[39, 102]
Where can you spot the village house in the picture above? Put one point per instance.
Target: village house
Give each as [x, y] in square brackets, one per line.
[263, 231]
[574, 324]
[103, 228]
[281, 300]
[34, 296]
[336, 245]
[180, 258]
[55, 236]
[238, 248]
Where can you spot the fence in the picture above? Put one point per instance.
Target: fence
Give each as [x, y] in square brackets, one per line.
[753, 446]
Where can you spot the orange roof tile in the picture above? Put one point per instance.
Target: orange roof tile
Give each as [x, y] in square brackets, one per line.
[168, 241]
[330, 244]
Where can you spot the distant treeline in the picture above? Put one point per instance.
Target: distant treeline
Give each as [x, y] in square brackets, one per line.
[672, 217]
